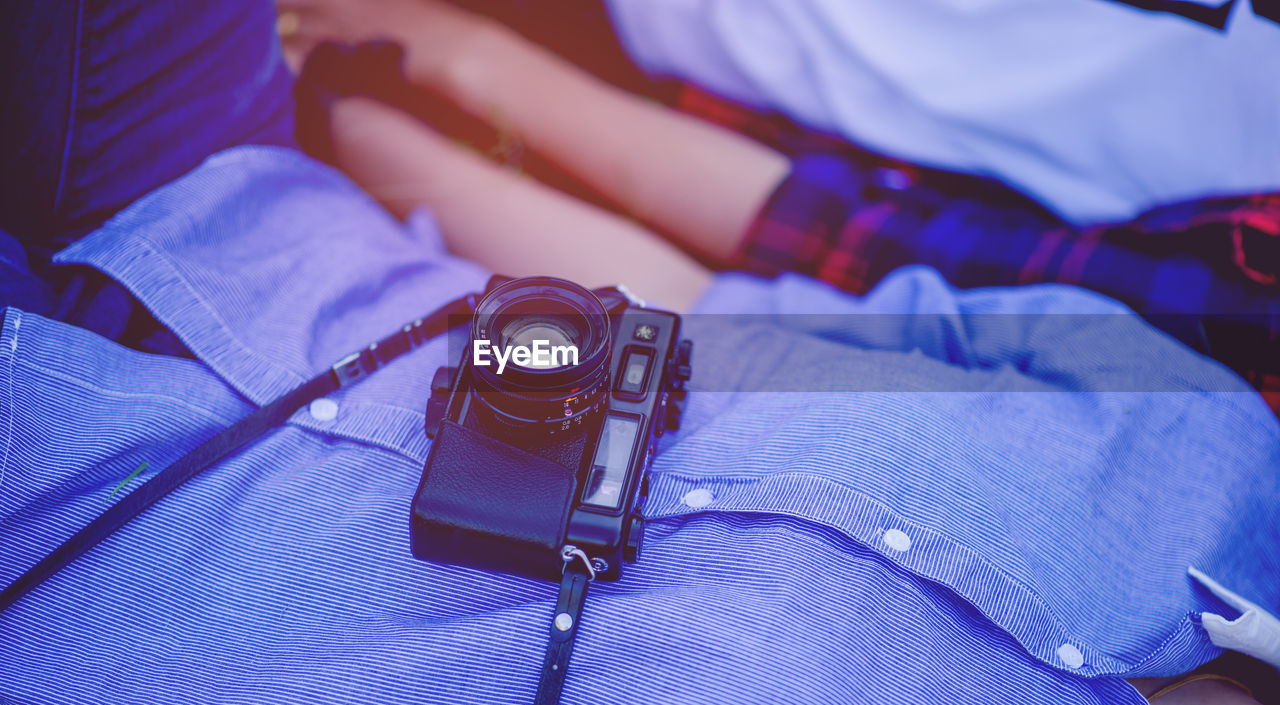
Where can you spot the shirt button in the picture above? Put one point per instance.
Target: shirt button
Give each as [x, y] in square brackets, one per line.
[1070, 656]
[896, 540]
[698, 499]
[324, 409]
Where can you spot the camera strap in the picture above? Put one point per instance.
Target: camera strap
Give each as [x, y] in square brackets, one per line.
[578, 574]
[348, 371]
[578, 569]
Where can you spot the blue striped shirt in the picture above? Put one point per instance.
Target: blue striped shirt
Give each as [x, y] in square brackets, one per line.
[932, 509]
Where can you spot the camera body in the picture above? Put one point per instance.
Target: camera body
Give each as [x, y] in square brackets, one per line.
[530, 458]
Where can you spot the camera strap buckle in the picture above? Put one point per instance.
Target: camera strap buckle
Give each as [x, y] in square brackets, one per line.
[354, 367]
[412, 335]
[578, 574]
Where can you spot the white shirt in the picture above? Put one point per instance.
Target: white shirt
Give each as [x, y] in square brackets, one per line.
[1097, 109]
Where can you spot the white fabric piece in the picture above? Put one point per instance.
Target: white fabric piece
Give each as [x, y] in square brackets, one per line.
[1097, 109]
[1255, 632]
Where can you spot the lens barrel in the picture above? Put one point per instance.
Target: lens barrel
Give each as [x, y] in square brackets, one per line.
[550, 396]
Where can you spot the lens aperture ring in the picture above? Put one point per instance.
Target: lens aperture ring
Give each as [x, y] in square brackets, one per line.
[542, 399]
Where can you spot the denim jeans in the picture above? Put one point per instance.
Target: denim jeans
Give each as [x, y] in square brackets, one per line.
[103, 102]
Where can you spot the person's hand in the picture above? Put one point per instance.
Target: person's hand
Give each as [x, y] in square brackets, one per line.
[303, 24]
[431, 32]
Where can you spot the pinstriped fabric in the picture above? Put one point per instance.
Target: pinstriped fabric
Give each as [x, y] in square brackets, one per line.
[283, 575]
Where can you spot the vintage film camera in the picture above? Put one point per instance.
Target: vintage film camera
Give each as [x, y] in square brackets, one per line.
[538, 455]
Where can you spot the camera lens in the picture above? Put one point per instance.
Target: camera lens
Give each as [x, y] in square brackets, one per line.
[527, 333]
[548, 346]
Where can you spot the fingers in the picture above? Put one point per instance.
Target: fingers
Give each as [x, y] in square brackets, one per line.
[295, 46]
[301, 26]
[431, 32]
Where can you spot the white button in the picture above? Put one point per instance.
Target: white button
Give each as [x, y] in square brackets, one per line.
[324, 409]
[897, 540]
[1071, 656]
[698, 499]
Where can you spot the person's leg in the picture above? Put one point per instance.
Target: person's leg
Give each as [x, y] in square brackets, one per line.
[508, 223]
[694, 181]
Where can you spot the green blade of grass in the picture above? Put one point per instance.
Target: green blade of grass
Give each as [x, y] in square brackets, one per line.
[138, 470]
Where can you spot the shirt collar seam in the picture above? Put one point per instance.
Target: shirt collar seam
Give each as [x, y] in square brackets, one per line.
[120, 269]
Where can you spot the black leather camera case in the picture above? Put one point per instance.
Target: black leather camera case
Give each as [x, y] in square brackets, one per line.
[487, 504]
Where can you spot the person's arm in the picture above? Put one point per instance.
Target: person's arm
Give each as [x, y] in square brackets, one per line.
[701, 184]
[509, 224]
[1192, 690]
[698, 182]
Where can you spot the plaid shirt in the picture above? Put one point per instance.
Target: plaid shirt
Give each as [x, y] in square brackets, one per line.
[1206, 271]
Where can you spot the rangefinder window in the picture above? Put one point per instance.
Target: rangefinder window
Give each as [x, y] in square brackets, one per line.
[608, 475]
[633, 373]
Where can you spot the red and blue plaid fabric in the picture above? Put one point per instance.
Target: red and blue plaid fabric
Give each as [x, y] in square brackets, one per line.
[1206, 271]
